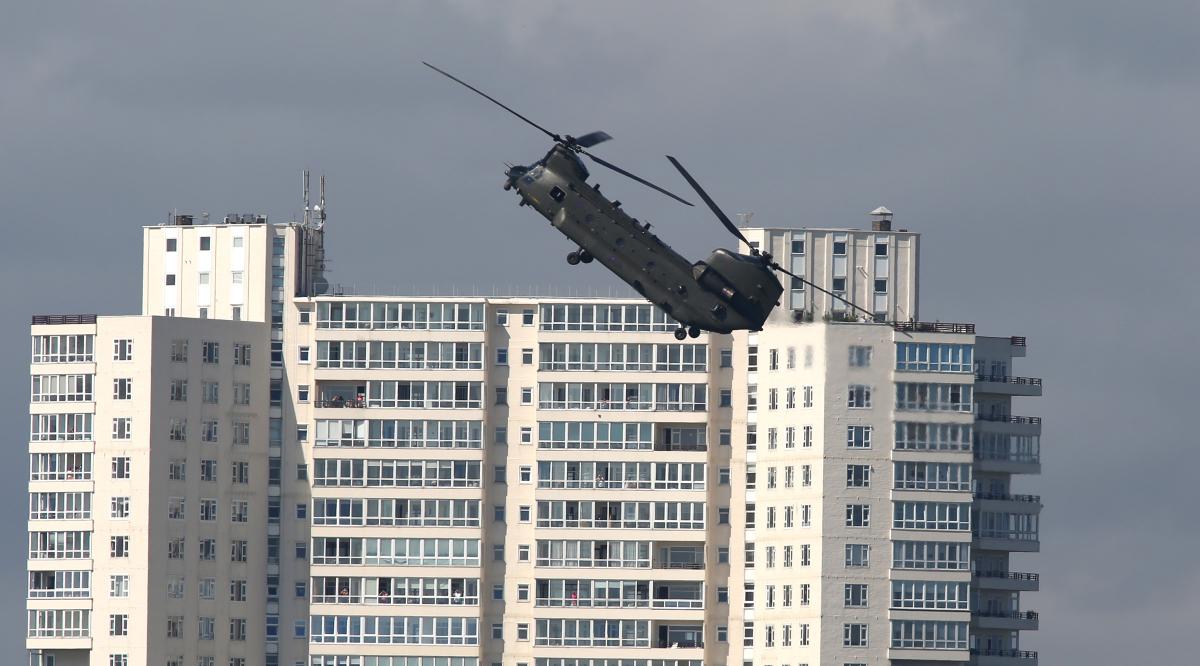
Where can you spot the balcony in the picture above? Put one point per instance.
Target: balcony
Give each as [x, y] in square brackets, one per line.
[1008, 462]
[688, 556]
[1005, 385]
[1013, 581]
[1009, 425]
[1003, 658]
[63, 320]
[1005, 620]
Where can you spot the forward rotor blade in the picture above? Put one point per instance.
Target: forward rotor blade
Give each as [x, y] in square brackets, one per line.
[495, 101]
[643, 181]
[785, 271]
[712, 205]
[592, 138]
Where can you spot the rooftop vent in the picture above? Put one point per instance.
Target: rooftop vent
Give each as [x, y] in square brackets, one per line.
[882, 219]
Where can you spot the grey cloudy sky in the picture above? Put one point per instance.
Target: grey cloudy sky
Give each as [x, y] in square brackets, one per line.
[1047, 151]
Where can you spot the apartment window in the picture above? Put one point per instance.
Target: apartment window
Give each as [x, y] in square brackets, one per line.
[789, 439]
[302, 472]
[171, 280]
[726, 358]
[722, 554]
[787, 516]
[723, 515]
[176, 548]
[502, 317]
[527, 356]
[501, 395]
[770, 518]
[305, 317]
[204, 311]
[499, 474]
[770, 562]
[304, 354]
[859, 396]
[748, 634]
[211, 391]
[726, 398]
[498, 553]
[525, 514]
[208, 509]
[301, 550]
[239, 511]
[118, 625]
[523, 592]
[725, 436]
[302, 393]
[881, 286]
[205, 243]
[497, 631]
[176, 508]
[787, 596]
[858, 437]
[773, 359]
[171, 244]
[806, 475]
[237, 590]
[752, 358]
[210, 352]
[858, 476]
[723, 476]
[722, 633]
[527, 317]
[501, 435]
[772, 399]
[207, 628]
[526, 473]
[302, 433]
[208, 549]
[241, 393]
[208, 470]
[119, 507]
[241, 354]
[860, 355]
[301, 511]
[790, 402]
[118, 586]
[858, 515]
[501, 356]
[123, 350]
[123, 389]
[118, 659]
[858, 554]
[722, 595]
[299, 629]
[241, 472]
[522, 631]
[523, 553]
[856, 595]
[121, 467]
[854, 635]
[208, 431]
[807, 441]
[805, 555]
[808, 396]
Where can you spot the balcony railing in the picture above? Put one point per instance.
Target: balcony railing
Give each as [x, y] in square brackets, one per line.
[1009, 575]
[336, 402]
[1017, 341]
[618, 603]
[1009, 456]
[934, 327]
[1005, 497]
[56, 320]
[1006, 418]
[680, 644]
[1005, 379]
[1013, 654]
[1008, 615]
[679, 565]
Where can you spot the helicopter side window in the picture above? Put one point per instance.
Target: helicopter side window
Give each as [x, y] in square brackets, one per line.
[556, 193]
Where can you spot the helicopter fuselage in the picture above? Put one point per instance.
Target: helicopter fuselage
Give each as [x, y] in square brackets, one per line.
[728, 292]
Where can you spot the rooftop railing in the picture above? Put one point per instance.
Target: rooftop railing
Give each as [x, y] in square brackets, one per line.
[56, 320]
[934, 327]
[1011, 615]
[1015, 654]
[1010, 575]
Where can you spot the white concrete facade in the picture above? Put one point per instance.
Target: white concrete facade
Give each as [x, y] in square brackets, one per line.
[465, 481]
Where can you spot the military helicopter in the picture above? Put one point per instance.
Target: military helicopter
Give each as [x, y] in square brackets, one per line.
[727, 292]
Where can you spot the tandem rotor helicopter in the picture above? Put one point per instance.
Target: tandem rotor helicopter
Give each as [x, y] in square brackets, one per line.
[727, 292]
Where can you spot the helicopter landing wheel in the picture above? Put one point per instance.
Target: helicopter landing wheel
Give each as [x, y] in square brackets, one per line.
[693, 331]
[586, 257]
[680, 333]
[573, 258]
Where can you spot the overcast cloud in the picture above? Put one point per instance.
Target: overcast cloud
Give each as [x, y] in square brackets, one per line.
[1047, 151]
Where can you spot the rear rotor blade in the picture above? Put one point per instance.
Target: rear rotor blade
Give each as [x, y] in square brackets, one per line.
[495, 101]
[592, 138]
[785, 271]
[643, 181]
[712, 205]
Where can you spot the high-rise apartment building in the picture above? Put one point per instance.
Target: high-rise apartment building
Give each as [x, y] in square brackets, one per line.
[524, 481]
